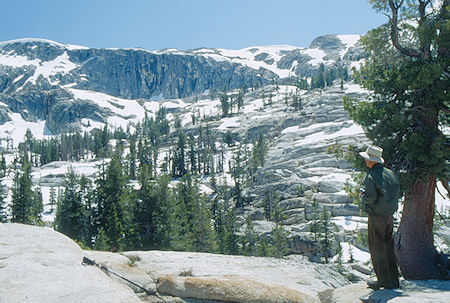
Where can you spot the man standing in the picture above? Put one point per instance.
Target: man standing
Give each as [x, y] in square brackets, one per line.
[380, 201]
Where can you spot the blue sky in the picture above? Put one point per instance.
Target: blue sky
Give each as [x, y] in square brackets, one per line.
[184, 24]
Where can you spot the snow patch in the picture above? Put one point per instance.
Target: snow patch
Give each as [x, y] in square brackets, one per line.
[126, 109]
[229, 122]
[350, 223]
[355, 88]
[316, 54]
[61, 64]
[17, 128]
[353, 130]
[17, 61]
[349, 40]
[357, 254]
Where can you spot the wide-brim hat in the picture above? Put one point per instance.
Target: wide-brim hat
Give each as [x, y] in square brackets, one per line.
[373, 153]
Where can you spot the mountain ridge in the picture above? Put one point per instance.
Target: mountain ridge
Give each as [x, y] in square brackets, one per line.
[44, 71]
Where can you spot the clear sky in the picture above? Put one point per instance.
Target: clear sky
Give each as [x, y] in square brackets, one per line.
[184, 24]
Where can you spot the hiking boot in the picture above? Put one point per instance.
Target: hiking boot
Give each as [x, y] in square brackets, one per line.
[375, 285]
[388, 286]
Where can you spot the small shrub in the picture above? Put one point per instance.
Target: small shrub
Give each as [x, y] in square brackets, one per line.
[186, 273]
[363, 238]
[133, 259]
[351, 277]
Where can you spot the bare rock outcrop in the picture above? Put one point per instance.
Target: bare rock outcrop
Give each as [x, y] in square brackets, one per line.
[230, 289]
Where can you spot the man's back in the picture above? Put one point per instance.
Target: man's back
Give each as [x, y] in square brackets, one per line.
[381, 191]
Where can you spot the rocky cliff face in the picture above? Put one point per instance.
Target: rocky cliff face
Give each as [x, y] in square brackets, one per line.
[136, 74]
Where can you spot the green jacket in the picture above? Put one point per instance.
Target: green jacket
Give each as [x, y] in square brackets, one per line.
[381, 191]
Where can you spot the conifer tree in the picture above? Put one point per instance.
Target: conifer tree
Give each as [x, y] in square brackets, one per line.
[319, 79]
[101, 241]
[218, 219]
[3, 210]
[192, 154]
[269, 204]
[249, 238]
[240, 101]
[3, 166]
[38, 205]
[326, 235]
[260, 150]
[231, 237]
[263, 248]
[314, 218]
[111, 185]
[340, 267]
[224, 103]
[90, 211]
[329, 77]
[178, 224]
[132, 157]
[52, 199]
[70, 213]
[407, 71]
[163, 211]
[237, 172]
[180, 155]
[297, 101]
[150, 214]
[203, 234]
[26, 207]
[280, 242]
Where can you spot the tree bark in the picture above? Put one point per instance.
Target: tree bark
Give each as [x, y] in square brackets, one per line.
[414, 248]
[414, 245]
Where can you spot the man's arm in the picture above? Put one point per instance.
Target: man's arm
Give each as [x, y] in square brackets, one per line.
[370, 192]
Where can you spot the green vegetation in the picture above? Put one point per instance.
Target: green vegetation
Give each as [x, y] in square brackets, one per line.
[108, 213]
[407, 71]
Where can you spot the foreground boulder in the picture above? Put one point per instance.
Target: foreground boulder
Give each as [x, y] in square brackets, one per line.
[225, 278]
[41, 265]
[229, 289]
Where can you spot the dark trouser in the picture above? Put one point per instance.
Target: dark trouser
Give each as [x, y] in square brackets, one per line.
[381, 246]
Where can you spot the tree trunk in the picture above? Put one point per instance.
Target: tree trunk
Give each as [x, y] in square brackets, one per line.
[416, 254]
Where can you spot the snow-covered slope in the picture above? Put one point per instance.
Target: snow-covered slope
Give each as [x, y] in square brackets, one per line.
[118, 84]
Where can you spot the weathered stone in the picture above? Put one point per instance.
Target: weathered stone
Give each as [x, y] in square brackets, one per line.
[344, 210]
[125, 266]
[294, 218]
[41, 265]
[302, 243]
[362, 269]
[411, 291]
[292, 203]
[229, 288]
[257, 215]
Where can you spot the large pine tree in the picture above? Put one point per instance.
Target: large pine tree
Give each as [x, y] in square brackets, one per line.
[110, 195]
[70, 213]
[408, 73]
[151, 211]
[26, 204]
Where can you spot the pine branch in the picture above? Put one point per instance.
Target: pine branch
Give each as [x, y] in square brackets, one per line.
[444, 14]
[393, 20]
